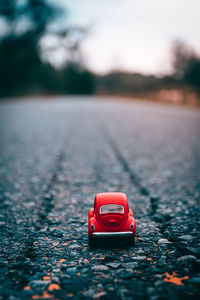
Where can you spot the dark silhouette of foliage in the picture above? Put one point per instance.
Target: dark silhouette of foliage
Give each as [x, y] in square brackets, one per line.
[79, 81]
[131, 83]
[186, 65]
[192, 73]
[22, 69]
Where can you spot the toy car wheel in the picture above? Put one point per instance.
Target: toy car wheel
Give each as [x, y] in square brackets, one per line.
[91, 241]
[130, 242]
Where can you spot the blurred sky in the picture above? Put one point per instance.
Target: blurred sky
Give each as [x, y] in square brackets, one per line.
[134, 35]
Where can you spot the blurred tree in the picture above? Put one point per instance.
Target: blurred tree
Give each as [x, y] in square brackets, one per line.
[8, 9]
[20, 63]
[186, 65]
[79, 81]
[22, 67]
[192, 72]
[181, 53]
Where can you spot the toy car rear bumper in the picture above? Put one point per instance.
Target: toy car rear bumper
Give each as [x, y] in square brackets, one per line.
[124, 234]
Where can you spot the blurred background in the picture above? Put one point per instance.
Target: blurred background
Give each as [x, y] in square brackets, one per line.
[144, 49]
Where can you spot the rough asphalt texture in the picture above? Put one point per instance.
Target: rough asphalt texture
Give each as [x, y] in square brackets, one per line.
[54, 157]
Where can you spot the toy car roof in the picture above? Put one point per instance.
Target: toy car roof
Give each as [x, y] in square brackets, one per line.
[110, 198]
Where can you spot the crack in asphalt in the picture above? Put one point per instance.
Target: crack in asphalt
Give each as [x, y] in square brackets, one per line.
[27, 247]
[48, 197]
[154, 200]
[132, 176]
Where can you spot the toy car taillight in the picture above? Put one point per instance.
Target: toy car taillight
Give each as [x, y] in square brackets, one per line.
[111, 217]
[92, 227]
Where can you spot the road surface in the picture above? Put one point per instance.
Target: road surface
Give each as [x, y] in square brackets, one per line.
[55, 155]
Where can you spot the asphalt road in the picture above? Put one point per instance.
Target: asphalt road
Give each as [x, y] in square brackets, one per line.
[55, 155]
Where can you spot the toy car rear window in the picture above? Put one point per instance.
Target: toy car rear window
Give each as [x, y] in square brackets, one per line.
[111, 208]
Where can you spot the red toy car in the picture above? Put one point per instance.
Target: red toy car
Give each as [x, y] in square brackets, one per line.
[111, 217]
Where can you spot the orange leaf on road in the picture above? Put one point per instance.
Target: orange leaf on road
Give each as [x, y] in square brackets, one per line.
[60, 261]
[174, 279]
[46, 278]
[53, 286]
[45, 295]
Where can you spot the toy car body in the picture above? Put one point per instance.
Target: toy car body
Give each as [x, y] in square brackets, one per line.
[111, 217]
